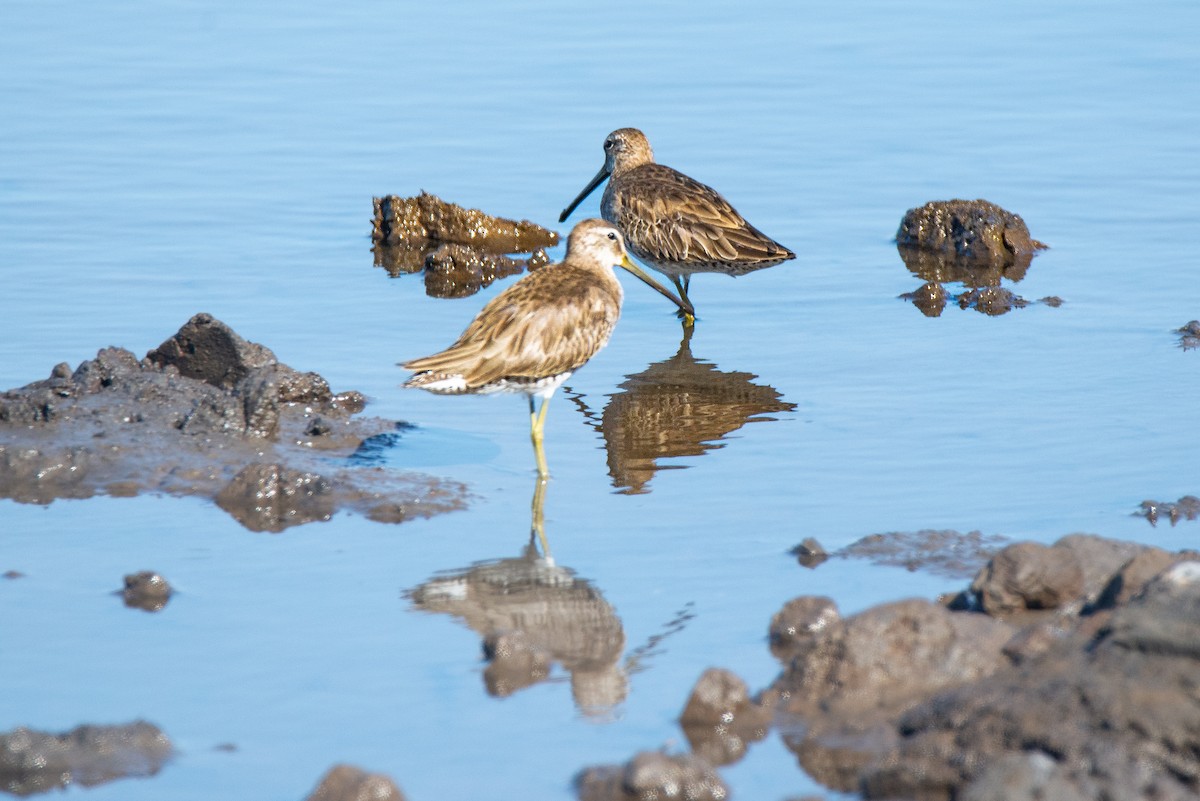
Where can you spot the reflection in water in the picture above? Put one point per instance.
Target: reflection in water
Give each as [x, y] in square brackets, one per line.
[980, 277]
[532, 613]
[678, 407]
[451, 270]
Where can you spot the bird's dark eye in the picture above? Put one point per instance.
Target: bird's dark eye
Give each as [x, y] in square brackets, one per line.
[608, 143]
[612, 236]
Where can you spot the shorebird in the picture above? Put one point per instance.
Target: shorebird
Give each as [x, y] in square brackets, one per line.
[532, 336]
[674, 223]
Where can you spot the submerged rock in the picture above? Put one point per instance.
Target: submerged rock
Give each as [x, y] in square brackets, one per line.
[943, 552]
[349, 783]
[147, 591]
[1186, 508]
[652, 775]
[720, 719]
[205, 413]
[35, 762]
[1189, 335]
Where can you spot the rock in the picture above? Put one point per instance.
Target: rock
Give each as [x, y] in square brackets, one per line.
[1186, 508]
[969, 230]
[147, 591]
[210, 351]
[809, 553]
[798, 621]
[1135, 574]
[35, 762]
[1109, 713]
[929, 297]
[992, 300]
[427, 217]
[349, 783]
[887, 657]
[188, 419]
[1189, 335]
[1030, 576]
[652, 776]
[720, 719]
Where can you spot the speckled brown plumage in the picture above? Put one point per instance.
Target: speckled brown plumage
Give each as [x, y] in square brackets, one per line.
[672, 222]
[533, 335]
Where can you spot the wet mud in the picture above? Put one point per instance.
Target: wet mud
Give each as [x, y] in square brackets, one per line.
[459, 250]
[973, 243]
[206, 413]
[37, 762]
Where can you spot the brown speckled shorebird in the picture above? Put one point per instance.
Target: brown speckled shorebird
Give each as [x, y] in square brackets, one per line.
[674, 223]
[532, 336]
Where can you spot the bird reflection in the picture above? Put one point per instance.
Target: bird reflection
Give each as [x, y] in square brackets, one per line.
[532, 613]
[678, 407]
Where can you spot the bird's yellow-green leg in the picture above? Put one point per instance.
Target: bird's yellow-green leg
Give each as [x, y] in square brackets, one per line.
[537, 422]
[538, 526]
[682, 284]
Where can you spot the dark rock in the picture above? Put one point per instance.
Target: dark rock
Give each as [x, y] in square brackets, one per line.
[809, 553]
[349, 783]
[1186, 508]
[883, 659]
[652, 776]
[427, 217]
[188, 419]
[1189, 335]
[970, 230]
[1109, 713]
[1030, 576]
[210, 351]
[798, 621]
[720, 719]
[146, 590]
[1135, 574]
[12, 574]
[34, 762]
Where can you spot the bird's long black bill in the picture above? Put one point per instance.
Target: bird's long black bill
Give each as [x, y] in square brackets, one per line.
[684, 306]
[587, 190]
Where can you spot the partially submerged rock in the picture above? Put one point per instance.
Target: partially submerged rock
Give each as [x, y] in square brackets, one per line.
[1085, 689]
[971, 231]
[35, 762]
[652, 775]
[1189, 335]
[146, 590]
[1186, 508]
[350, 783]
[720, 719]
[204, 413]
[972, 242]
[943, 552]
[461, 250]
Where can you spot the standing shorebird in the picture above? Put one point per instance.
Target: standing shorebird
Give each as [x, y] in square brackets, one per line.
[674, 223]
[532, 336]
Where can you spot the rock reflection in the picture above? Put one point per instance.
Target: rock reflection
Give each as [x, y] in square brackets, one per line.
[460, 250]
[532, 613]
[678, 407]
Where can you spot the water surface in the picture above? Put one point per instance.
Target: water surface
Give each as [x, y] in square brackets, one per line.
[157, 160]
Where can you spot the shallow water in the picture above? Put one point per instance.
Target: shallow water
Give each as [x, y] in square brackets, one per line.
[160, 160]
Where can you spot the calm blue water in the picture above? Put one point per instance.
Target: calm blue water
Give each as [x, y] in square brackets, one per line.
[161, 159]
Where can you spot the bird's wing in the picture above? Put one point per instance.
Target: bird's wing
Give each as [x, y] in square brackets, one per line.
[541, 326]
